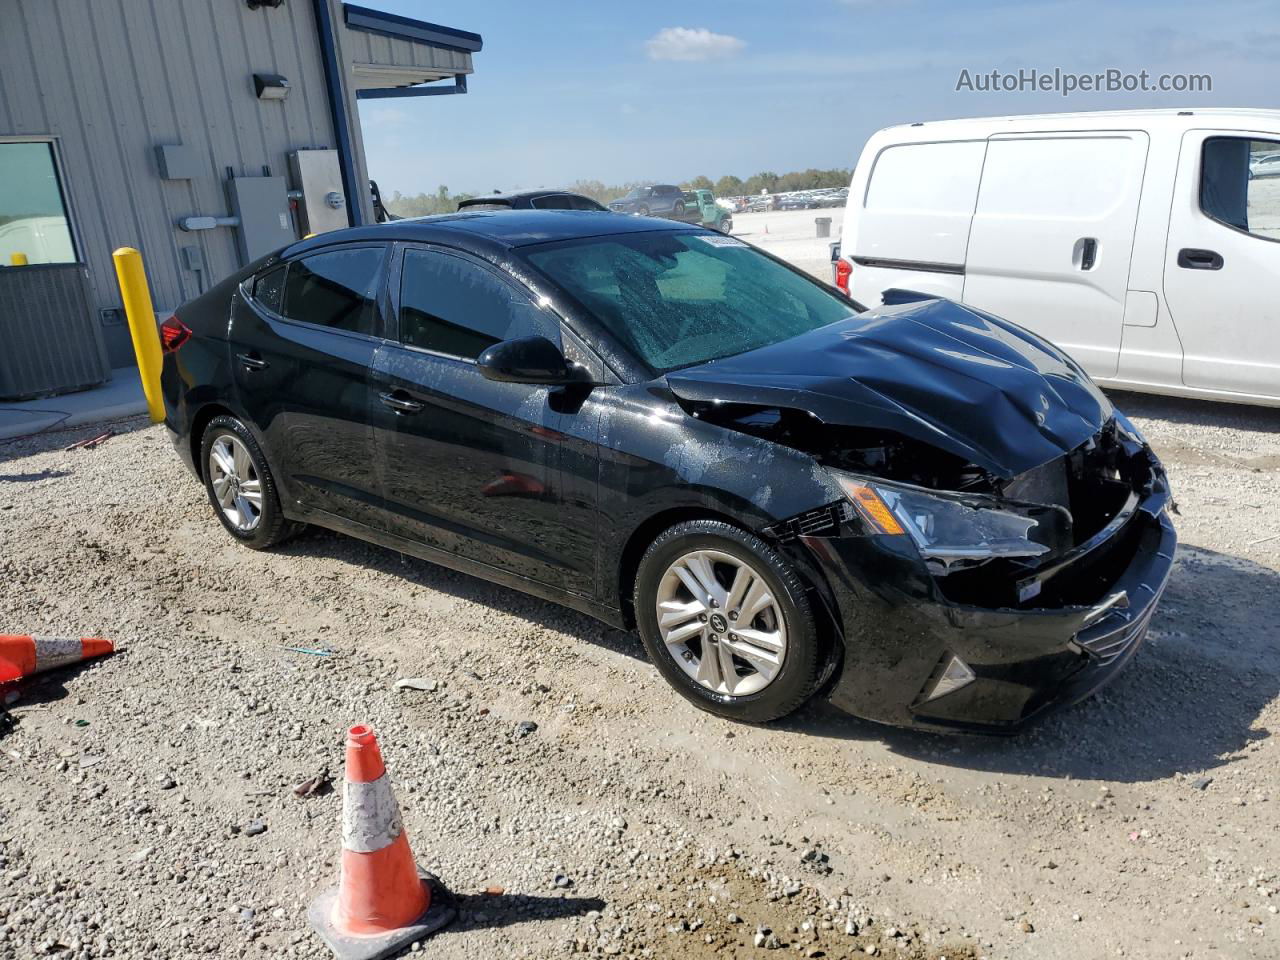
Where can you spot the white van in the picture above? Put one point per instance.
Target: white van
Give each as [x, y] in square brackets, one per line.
[1146, 244]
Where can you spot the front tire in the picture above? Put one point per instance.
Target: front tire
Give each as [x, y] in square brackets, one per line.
[642, 211]
[240, 485]
[727, 621]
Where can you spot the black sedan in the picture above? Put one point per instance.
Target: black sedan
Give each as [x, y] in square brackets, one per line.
[925, 513]
[532, 200]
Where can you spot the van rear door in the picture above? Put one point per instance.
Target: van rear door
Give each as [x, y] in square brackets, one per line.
[911, 225]
[1052, 237]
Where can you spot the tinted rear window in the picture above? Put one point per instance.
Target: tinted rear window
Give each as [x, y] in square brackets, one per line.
[336, 289]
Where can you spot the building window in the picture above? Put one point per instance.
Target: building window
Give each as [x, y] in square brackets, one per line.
[33, 210]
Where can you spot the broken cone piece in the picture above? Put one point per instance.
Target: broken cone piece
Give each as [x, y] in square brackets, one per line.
[23, 655]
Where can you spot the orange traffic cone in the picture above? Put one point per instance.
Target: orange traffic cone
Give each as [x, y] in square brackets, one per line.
[383, 901]
[21, 656]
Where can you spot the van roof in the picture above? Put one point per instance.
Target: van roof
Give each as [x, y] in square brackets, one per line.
[1185, 117]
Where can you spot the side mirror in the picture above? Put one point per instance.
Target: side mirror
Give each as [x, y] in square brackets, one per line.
[528, 360]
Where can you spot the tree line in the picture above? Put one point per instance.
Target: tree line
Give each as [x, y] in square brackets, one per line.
[442, 201]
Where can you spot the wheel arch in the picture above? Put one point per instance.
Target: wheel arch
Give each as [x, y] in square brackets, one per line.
[643, 535]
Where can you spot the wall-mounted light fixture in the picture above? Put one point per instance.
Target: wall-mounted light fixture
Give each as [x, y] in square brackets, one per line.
[255, 4]
[270, 86]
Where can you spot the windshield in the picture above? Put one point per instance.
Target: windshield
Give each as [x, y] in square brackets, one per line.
[637, 192]
[678, 299]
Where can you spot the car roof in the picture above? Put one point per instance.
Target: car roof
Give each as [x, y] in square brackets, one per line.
[485, 230]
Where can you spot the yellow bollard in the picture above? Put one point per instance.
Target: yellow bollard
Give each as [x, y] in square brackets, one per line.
[17, 259]
[142, 326]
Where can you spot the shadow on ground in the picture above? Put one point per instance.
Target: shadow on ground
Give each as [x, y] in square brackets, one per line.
[48, 687]
[422, 573]
[1189, 701]
[484, 912]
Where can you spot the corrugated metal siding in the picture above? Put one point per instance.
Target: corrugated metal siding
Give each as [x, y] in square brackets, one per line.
[49, 340]
[112, 79]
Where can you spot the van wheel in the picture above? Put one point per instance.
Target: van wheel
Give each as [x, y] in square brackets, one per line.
[727, 621]
[240, 486]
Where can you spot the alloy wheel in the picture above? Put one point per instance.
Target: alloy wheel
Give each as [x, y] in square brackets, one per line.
[721, 623]
[235, 482]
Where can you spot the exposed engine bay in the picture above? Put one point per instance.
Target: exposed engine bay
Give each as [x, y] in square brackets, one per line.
[1064, 505]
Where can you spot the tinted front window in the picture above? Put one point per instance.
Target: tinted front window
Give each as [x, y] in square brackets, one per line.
[1240, 184]
[685, 298]
[584, 203]
[456, 307]
[337, 289]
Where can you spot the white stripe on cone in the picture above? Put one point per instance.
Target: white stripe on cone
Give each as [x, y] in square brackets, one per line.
[370, 816]
[57, 651]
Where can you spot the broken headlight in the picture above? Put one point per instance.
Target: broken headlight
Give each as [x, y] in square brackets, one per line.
[955, 530]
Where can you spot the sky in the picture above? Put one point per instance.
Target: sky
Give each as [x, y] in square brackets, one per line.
[665, 91]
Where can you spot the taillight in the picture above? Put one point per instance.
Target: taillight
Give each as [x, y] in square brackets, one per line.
[173, 334]
[844, 269]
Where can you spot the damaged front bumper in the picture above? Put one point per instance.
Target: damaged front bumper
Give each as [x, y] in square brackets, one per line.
[902, 635]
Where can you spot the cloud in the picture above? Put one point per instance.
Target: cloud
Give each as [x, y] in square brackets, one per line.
[691, 43]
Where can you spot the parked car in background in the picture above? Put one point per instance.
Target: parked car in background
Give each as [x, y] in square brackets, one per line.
[532, 200]
[929, 513]
[1266, 165]
[1143, 243]
[796, 201]
[700, 206]
[661, 199]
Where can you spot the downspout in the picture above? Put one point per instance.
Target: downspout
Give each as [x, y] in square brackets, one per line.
[338, 112]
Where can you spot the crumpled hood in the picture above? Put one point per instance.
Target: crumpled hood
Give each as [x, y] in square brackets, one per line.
[947, 375]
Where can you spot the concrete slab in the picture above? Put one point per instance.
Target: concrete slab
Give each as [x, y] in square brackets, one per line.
[121, 396]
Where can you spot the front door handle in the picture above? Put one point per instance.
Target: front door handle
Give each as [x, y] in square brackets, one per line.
[1194, 259]
[401, 402]
[252, 361]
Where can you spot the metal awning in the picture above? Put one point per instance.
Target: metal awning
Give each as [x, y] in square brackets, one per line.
[396, 56]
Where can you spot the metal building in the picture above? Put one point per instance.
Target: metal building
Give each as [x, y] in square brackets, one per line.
[203, 132]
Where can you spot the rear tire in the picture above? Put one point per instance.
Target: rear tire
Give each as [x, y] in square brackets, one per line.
[754, 673]
[241, 487]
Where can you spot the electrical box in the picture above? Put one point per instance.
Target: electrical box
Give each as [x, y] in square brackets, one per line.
[178, 161]
[318, 177]
[262, 206]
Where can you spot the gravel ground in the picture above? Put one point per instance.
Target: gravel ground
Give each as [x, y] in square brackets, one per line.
[1141, 823]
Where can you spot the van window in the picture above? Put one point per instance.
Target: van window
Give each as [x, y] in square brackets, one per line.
[1240, 184]
[927, 177]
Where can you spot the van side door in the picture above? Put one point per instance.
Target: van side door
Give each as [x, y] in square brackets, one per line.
[1222, 262]
[1052, 237]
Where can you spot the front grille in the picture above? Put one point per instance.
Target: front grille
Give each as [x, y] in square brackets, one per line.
[1109, 641]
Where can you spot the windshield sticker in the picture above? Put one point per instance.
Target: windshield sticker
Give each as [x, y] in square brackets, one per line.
[721, 241]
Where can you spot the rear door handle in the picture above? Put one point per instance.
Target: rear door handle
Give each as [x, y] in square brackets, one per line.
[252, 361]
[1195, 259]
[1086, 252]
[401, 402]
